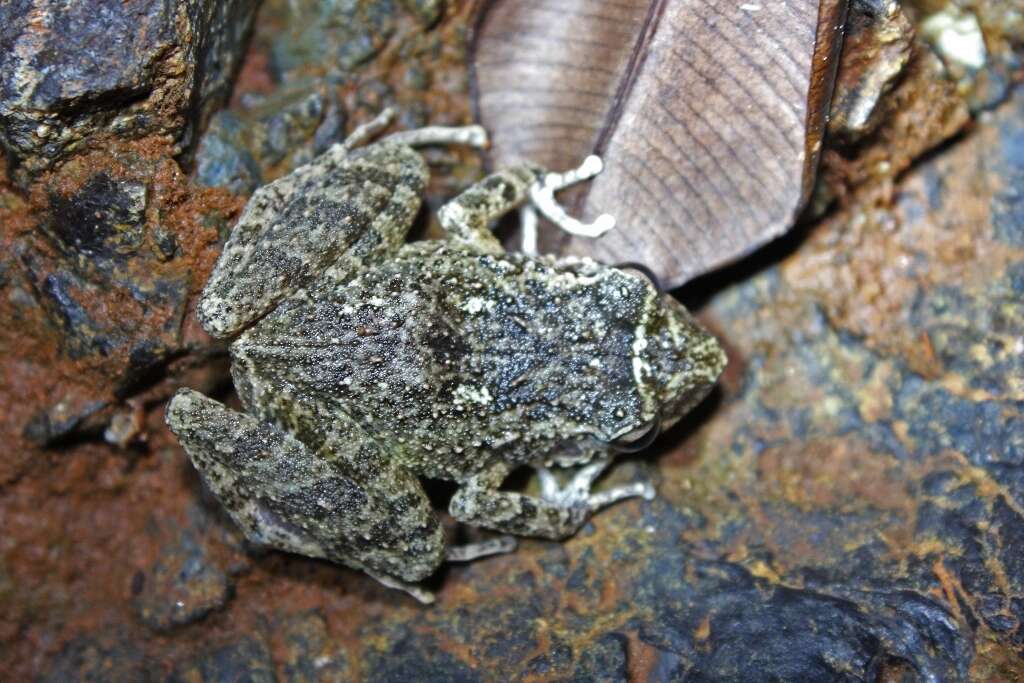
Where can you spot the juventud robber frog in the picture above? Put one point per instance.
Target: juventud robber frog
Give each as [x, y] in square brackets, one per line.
[365, 363]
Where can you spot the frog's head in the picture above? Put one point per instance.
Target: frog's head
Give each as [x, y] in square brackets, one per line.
[675, 364]
[639, 360]
[682, 359]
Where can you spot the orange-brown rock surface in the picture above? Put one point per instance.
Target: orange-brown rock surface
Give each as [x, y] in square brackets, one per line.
[849, 503]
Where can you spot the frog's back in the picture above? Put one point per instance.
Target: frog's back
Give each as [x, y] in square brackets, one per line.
[299, 225]
[453, 359]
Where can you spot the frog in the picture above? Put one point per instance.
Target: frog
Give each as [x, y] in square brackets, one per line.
[366, 364]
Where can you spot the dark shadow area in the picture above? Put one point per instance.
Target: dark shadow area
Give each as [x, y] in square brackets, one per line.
[698, 292]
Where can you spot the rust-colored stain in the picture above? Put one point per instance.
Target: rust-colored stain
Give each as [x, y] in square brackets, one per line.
[33, 362]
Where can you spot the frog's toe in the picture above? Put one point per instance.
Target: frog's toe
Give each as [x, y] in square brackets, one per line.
[577, 493]
[422, 595]
[542, 196]
[472, 551]
[470, 136]
[640, 489]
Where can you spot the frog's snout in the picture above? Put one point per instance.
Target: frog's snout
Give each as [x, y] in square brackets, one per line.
[688, 359]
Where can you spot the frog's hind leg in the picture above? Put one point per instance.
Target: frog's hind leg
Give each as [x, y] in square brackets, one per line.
[343, 501]
[474, 551]
[557, 514]
[456, 553]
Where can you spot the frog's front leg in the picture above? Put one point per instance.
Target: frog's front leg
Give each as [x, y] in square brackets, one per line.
[327, 218]
[345, 501]
[468, 217]
[557, 514]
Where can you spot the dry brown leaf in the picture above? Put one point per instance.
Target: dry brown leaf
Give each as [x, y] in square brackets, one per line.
[707, 113]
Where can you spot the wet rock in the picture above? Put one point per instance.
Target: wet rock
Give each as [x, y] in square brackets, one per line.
[877, 138]
[73, 413]
[1007, 203]
[407, 656]
[932, 322]
[1002, 25]
[604, 660]
[429, 12]
[104, 657]
[911, 74]
[556, 659]
[182, 587]
[222, 159]
[268, 136]
[103, 219]
[246, 659]
[799, 634]
[165, 244]
[583, 579]
[62, 294]
[959, 39]
[956, 37]
[876, 49]
[76, 293]
[97, 281]
[337, 36]
[879, 418]
[71, 73]
[309, 653]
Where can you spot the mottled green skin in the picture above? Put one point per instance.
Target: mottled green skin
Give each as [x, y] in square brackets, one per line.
[368, 364]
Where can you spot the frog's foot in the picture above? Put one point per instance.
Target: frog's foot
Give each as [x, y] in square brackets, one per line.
[542, 196]
[421, 594]
[557, 513]
[472, 551]
[577, 492]
[458, 553]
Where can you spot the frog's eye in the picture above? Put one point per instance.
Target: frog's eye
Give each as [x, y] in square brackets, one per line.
[639, 438]
[642, 272]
